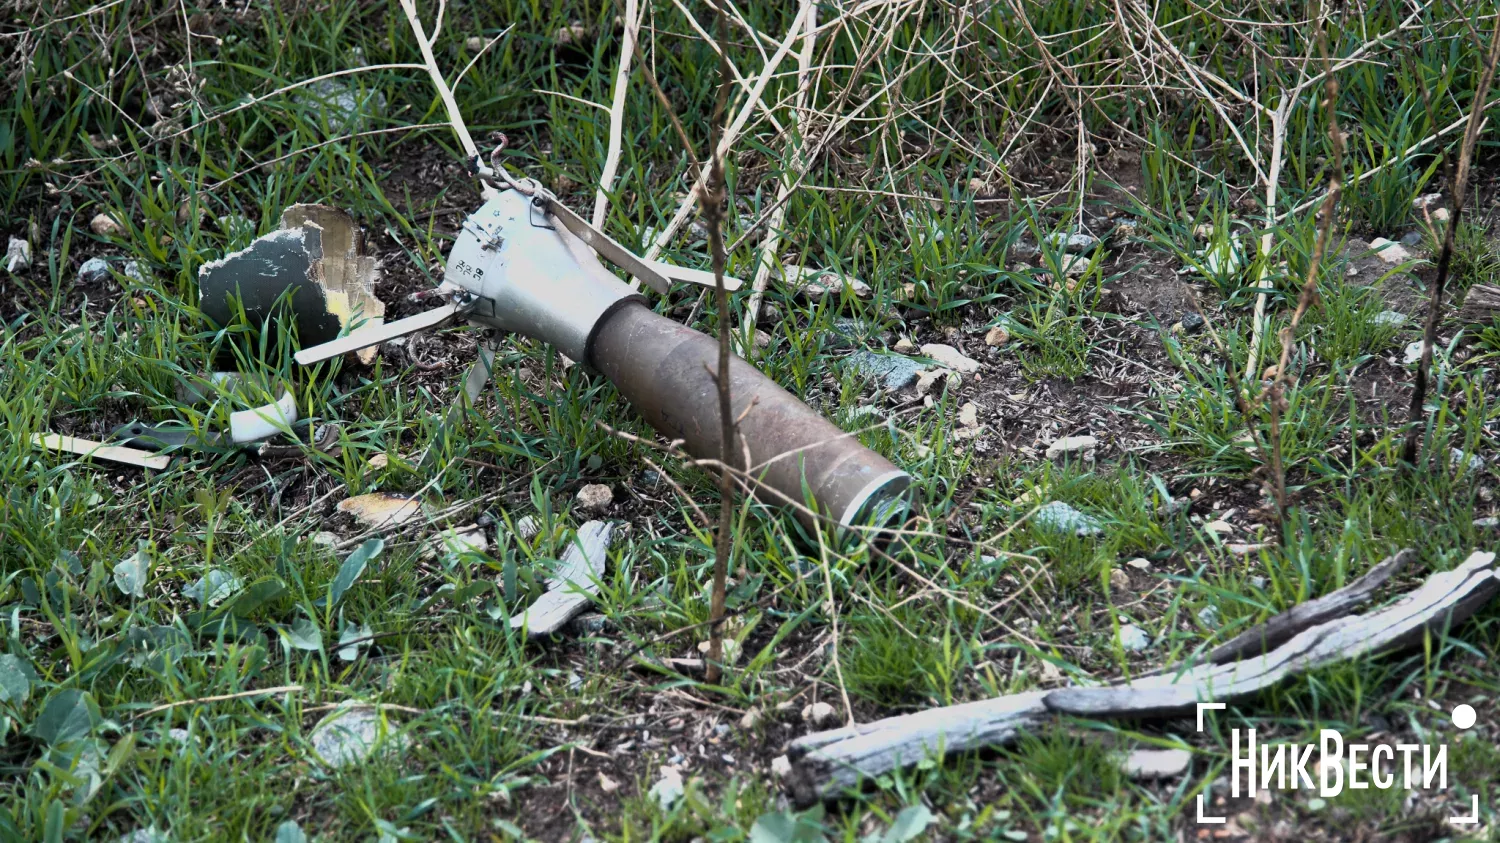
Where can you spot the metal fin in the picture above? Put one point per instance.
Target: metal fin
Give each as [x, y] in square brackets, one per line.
[607, 247]
[374, 336]
[696, 276]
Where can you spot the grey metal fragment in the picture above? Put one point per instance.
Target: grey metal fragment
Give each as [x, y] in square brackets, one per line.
[1059, 517]
[1074, 243]
[1133, 638]
[893, 371]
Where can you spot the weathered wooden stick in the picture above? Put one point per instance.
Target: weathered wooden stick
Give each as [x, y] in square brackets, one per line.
[1481, 305]
[826, 764]
[1279, 629]
[569, 588]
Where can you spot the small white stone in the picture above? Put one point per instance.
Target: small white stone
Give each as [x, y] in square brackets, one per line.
[1389, 251]
[1208, 617]
[1119, 580]
[1388, 319]
[105, 225]
[594, 497]
[1156, 763]
[997, 337]
[474, 43]
[1222, 528]
[528, 527]
[950, 357]
[751, 719]
[1072, 445]
[819, 713]
[781, 766]
[968, 414]
[1140, 563]
[1440, 215]
[817, 283]
[1075, 265]
[905, 346]
[1133, 638]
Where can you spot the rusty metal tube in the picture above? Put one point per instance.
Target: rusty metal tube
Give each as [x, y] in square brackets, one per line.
[664, 369]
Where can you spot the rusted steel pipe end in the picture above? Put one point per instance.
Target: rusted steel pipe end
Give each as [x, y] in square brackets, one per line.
[795, 456]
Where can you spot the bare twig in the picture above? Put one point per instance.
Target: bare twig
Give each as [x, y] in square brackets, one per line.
[1276, 395]
[711, 197]
[633, 13]
[1445, 257]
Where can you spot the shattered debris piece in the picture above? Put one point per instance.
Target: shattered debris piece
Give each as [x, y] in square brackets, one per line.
[1412, 353]
[1133, 638]
[817, 283]
[781, 766]
[90, 448]
[1149, 764]
[594, 497]
[17, 255]
[214, 587]
[1079, 445]
[347, 736]
[929, 379]
[1388, 319]
[347, 106]
[1426, 200]
[572, 583]
[527, 528]
[1191, 321]
[105, 225]
[380, 509]
[264, 422]
[1390, 252]
[1140, 563]
[317, 254]
[93, 271]
[1072, 243]
[1473, 462]
[950, 358]
[1059, 517]
[894, 373]
[668, 789]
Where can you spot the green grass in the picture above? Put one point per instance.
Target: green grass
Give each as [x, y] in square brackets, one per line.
[126, 709]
